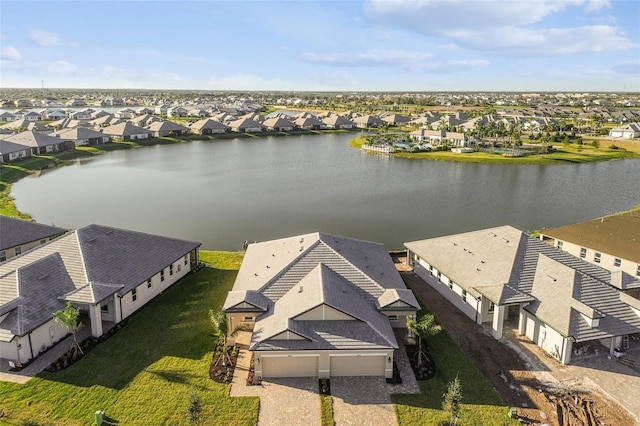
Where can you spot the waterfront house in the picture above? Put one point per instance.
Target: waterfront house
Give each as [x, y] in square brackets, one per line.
[438, 137]
[208, 126]
[366, 121]
[55, 115]
[125, 113]
[336, 121]
[108, 273]
[320, 305]
[167, 128]
[629, 131]
[308, 123]
[278, 124]
[10, 151]
[17, 235]
[502, 277]
[396, 119]
[32, 116]
[612, 242]
[83, 136]
[126, 131]
[145, 120]
[245, 125]
[39, 143]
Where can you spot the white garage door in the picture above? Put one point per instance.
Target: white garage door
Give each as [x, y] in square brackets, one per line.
[290, 366]
[358, 365]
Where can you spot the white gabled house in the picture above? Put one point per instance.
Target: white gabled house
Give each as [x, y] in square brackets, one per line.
[630, 131]
[109, 273]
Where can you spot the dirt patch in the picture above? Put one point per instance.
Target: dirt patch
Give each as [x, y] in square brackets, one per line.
[535, 401]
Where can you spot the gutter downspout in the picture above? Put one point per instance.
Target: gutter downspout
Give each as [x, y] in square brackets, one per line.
[31, 347]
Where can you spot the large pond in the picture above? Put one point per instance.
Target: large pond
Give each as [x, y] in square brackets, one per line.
[222, 193]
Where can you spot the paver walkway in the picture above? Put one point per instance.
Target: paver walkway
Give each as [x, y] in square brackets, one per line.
[361, 401]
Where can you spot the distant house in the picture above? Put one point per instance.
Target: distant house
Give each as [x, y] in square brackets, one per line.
[309, 123]
[108, 273]
[56, 115]
[366, 121]
[39, 143]
[503, 277]
[244, 125]
[83, 136]
[145, 120]
[438, 137]
[630, 131]
[612, 242]
[10, 151]
[338, 122]
[126, 131]
[278, 124]
[320, 305]
[23, 103]
[32, 116]
[105, 120]
[177, 112]
[80, 115]
[167, 128]
[22, 124]
[76, 102]
[6, 117]
[17, 236]
[125, 113]
[208, 126]
[396, 119]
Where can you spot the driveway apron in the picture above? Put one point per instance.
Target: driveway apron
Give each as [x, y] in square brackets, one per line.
[361, 401]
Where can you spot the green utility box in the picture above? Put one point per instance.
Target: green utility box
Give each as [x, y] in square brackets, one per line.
[99, 417]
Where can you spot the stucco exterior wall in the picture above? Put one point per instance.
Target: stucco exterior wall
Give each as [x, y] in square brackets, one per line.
[144, 294]
[25, 348]
[11, 251]
[607, 261]
[547, 338]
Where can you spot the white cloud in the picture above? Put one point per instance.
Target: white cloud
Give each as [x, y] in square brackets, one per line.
[61, 67]
[500, 27]
[44, 38]
[374, 57]
[596, 5]
[10, 53]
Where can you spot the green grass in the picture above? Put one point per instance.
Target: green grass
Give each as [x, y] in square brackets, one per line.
[481, 405]
[146, 372]
[326, 410]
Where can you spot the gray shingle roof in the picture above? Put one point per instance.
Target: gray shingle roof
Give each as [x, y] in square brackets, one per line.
[15, 232]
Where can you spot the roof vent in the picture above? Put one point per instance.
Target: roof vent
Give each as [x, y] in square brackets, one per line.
[301, 248]
[42, 277]
[256, 274]
[268, 266]
[301, 240]
[552, 278]
[300, 290]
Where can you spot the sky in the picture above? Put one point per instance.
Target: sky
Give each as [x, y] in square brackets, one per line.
[370, 45]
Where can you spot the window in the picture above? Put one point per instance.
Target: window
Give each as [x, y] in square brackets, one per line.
[170, 269]
[3, 256]
[583, 252]
[18, 250]
[617, 262]
[492, 307]
[638, 271]
[179, 267]
[560, 243]
[104, 309]
[134, 294]
[43, 241]
[247, 319]
[185, 260]
[162, 275]
[393, 318]
[464, 295]
[149, 283]
[597, 257]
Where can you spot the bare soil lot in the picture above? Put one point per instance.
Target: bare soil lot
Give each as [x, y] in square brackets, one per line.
[532, 389]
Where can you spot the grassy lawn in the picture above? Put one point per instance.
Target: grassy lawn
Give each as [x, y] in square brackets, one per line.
[146, 372]
[481, 405]
[326, 410]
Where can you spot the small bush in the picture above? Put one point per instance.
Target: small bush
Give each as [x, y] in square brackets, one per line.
[612, 146]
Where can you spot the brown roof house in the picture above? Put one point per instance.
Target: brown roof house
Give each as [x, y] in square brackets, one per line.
[39, 142]
[83, 136]
[10, 151]
[106, 272]
[612, 242]
[167, 128]
[320, 305]
[503, 277]
[278, 124]
[208, 126]
[127, 132]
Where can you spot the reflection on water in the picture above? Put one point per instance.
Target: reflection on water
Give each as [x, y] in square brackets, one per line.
[225, 192]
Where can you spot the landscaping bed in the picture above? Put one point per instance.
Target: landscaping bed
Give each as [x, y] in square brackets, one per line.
[220, 371]
[427, 368]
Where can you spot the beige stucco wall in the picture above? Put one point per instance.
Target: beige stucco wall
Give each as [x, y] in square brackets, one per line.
[23, 349]
[547, 338]
[606, 260]
[11, 251]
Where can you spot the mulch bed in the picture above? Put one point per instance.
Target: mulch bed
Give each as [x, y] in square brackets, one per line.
[252, 380]
[427, 369]
[222, 373]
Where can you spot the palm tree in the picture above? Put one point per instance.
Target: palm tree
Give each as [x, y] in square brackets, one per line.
[422, 328]
[68, 318]
[220, 326]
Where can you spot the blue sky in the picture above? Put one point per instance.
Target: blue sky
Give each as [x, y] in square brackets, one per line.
[371, 45]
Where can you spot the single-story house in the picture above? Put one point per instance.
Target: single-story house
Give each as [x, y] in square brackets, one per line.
[17, 235]
[6, 117]
[125, 113]
[167, 128]
[108, 273]
[208, 126]
[32, 116]
[309, 123]
[612, 242]
[438, 137]
[278, 124]
[10, 151]
[338, 122]
[630, 131]
[145, 120]
[396, 119]
[504, 277]
[83, 136]
[365, 121]
[39, 143]
[320, 305]
[245, 125]
[127, 132]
